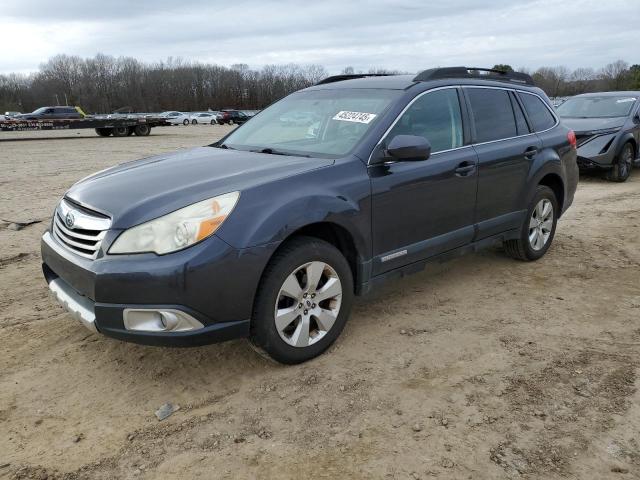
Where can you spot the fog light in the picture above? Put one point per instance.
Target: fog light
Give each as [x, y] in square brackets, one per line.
[159, 320]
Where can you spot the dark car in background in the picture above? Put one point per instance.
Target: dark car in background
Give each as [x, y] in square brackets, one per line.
[51, 113]
[231, 116]
[607, 128]
[270, 232]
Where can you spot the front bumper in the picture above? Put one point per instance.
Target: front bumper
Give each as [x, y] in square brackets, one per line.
[598, 152]
[211, 282]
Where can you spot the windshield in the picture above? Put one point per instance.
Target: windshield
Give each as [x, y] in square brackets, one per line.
[596, 107]
[324, 123]
[41, 110]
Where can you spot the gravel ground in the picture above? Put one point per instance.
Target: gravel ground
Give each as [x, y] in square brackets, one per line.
[480, 368]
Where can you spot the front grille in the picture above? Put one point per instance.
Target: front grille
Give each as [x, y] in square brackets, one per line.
[79, 230]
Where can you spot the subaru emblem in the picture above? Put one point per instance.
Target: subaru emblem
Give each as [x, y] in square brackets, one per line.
[70, 219]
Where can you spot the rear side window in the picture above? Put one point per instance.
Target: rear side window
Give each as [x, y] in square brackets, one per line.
[492, 114]
[434, 116]
[539, 115]
[521, 123]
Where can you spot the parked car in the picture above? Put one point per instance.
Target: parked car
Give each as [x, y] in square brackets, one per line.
[51, 113]
[269, 233]
[607, 127]
[231, 117]
[176, 118]
[203, 117]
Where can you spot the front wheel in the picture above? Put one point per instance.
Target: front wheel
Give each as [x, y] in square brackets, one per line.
[538, 229]
[185, 122]
[622, 166]
[303, 301]
[194, 122]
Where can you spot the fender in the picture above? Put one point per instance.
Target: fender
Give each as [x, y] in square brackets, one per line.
[269, 213]
[624, 138]
[546, 162]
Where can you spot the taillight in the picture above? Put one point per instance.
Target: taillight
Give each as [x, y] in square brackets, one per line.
[571, 136]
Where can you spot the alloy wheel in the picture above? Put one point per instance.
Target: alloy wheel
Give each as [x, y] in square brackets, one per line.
[308, 304]
[625, 161]
[541, 224]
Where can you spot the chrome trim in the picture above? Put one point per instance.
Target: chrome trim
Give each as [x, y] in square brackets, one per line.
[80, 308]
[159, 320]
[82, 220]
[513, 89]
[85, 243]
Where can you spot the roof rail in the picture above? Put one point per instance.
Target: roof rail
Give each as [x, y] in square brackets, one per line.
[339, 78]
[474, 72]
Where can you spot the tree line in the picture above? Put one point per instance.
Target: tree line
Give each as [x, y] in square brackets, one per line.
[106, 84]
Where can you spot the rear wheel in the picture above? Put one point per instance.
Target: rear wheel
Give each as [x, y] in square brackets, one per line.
[538, 229]
[194, 122]
[142, 130]
[303, 301]
[185, 122]
[623, 164]
[103, 132]
[120, 131]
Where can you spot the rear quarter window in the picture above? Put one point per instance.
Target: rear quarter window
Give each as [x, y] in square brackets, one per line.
[539, 115]
[492, 113]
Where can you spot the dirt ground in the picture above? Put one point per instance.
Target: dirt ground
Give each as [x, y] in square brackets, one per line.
[479, 368]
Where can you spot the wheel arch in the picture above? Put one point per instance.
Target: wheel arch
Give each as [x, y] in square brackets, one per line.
[336, 235]
[555, 183]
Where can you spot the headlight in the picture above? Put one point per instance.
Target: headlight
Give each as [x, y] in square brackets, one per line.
[178, 229]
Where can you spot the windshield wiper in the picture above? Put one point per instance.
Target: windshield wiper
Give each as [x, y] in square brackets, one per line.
[272, 151]
[222, 145]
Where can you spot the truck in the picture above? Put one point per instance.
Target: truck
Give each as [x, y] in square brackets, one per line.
[46, 118]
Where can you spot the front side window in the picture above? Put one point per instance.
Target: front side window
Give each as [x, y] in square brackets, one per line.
[492, 114]
[324, 123]
[596, 106]
[435, 116]
[539, 114]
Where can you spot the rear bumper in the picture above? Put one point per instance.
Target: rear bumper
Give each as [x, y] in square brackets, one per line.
[211, 282]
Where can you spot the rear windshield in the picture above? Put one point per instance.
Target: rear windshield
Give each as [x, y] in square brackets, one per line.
[597, 107]
[324, 123]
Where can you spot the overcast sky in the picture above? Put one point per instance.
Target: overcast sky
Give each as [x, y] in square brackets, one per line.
[406, 34]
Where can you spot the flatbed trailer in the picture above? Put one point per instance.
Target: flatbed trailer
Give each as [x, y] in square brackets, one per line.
[117, 127]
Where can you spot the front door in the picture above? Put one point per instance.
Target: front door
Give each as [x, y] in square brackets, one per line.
[423, 208]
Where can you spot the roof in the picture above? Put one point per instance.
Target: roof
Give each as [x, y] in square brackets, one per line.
[621, 93]
[432, 77]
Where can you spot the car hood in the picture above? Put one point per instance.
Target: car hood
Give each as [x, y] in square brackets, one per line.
[135, 192]
[581, 125]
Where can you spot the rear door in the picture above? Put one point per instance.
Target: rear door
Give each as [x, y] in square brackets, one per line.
[506, 149]
[423, 208]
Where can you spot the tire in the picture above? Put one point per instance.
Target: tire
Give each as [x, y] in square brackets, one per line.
[142, 130]
[194, 122]
[538, 229]
[623, 165]
[213, 122]
[103, 132]
[185, 122]
[120, 131]
[289, 269]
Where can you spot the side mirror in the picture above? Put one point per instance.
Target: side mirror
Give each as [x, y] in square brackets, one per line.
[409, 148]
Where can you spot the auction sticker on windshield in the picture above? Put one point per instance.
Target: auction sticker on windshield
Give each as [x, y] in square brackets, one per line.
[359, 117]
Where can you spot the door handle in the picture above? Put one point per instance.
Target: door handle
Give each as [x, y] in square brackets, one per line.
[465, 168]
[530, 152]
